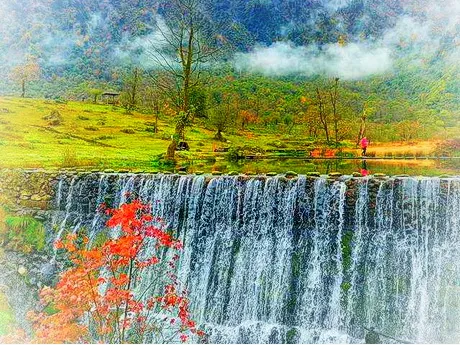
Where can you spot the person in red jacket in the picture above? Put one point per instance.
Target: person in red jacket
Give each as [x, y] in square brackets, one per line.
[364, 144]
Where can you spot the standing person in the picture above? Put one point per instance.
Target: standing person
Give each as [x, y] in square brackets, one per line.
[364, 144]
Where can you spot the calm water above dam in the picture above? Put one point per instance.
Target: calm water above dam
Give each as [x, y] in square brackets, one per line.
[412, 167]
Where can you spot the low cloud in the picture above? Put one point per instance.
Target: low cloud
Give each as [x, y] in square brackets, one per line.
[431, 31]
[351, 61]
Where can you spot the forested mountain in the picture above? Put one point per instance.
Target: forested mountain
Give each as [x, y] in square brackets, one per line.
[87, 36]
[390, 51]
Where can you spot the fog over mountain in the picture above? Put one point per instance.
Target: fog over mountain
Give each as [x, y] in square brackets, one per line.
[351, 39]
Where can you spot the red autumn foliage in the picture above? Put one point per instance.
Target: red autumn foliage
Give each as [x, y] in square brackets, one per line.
[100, 300]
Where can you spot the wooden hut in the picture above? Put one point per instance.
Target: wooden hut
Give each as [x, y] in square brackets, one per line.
[110, 97]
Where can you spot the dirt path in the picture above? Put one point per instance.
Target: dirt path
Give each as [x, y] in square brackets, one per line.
[420, 148]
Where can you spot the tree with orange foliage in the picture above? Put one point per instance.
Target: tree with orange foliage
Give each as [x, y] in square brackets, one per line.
[22, 74]
[247, 117]
[101, 297]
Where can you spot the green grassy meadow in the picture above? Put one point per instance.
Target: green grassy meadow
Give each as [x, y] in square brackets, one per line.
[99, 136]
[103, 136]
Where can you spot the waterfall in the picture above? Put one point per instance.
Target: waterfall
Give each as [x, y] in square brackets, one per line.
[311, 260]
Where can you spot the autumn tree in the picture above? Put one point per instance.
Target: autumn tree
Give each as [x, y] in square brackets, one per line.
[131, 85]
[188, 44]
[101, 297]
[25, 73]
[362, 126]
[153, 102]
[247, 117]
[322, 112]
[223, 113]
[94, 93]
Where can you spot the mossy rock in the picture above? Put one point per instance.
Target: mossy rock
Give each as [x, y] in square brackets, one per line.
[109, 171]
[445, 176]
[215, 172]
[182, 173]
[402, 175]
[95, 170]
[139, 172]
[166, 172]
[271, 173]
[380, 175]
[357, 174]
[123, 171]
[290, 174]
[335, 174]
[292, 336]
[233, 173]
[199, 172]
[314, 173]
[250, 173]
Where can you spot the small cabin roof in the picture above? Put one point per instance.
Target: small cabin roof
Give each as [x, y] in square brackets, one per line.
[110, 93]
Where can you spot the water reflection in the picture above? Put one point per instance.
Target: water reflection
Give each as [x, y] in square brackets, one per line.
[367, 166]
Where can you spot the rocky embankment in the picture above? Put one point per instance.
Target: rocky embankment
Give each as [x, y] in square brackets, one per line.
[21, 278]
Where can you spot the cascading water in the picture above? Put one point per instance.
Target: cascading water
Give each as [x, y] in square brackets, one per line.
[299, 260]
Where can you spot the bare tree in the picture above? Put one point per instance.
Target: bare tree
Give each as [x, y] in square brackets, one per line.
[333, 94]
[132, 82]
[152, 101]
[323, 118]
[188, 43]
[362, 127]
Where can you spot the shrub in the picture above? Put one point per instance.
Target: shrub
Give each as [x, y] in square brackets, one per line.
[99, 298]
[128, 131]
[54, 118]
[104, 137]
[388, 154]
[448, 148]
[370, 154]
[219, 167]
[22, 233]
[91, 128]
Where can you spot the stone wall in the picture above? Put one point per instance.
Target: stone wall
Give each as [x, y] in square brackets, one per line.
[36, 188]
[28, 189]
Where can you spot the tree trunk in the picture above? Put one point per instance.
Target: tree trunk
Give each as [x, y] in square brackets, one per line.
[322, 114]
[219, 136]
[156, 122]
[335, 116]
[23, 86]
[171, 149]
[362, 127]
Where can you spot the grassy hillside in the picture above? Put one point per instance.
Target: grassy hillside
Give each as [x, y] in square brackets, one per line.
[88, 135]
[94, 135]
[105, 136]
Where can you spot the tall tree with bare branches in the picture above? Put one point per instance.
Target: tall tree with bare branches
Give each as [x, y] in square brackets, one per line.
[334, 95]
[188, 43]
[322, 113]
